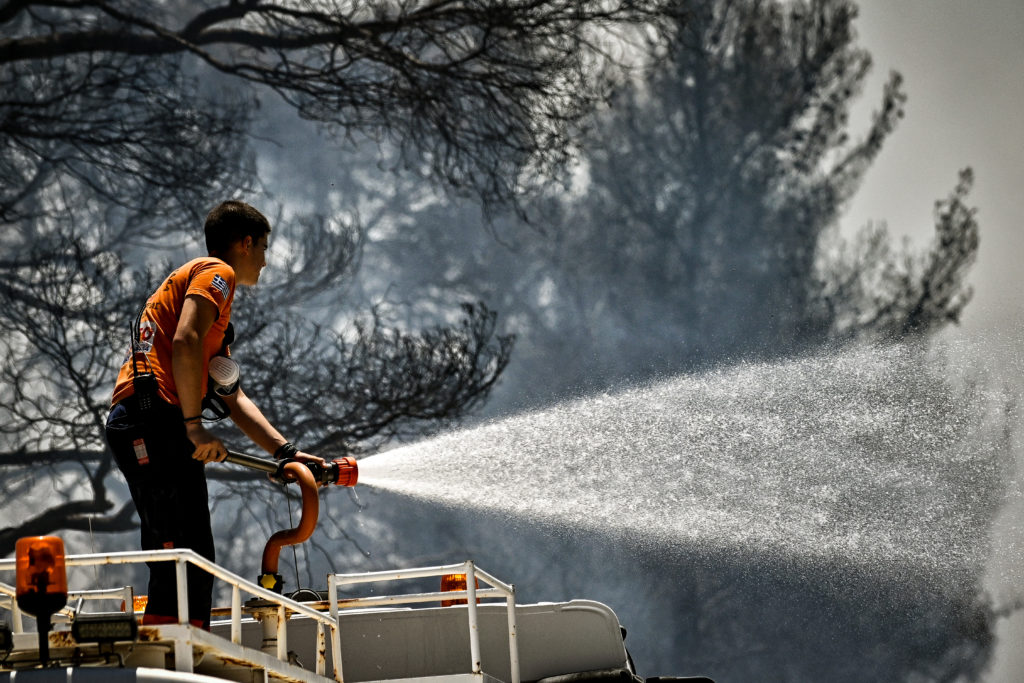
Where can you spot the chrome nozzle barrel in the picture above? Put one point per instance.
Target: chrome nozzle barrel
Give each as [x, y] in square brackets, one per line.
[341, 472]
[252, 462]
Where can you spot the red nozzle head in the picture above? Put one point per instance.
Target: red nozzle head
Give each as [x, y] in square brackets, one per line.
[348, 471]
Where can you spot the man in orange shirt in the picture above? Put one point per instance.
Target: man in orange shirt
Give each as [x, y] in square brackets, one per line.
[155, 427]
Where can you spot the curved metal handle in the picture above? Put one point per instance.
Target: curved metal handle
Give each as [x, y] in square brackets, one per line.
[307, 522]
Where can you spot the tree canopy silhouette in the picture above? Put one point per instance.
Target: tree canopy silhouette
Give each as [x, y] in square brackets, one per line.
[123, 122]
[702, 225]
[711, 190]
[479, 95]
[718, 185]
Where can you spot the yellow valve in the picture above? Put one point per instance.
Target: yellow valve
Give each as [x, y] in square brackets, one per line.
[272, 582]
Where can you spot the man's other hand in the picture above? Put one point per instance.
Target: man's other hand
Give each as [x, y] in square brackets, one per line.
[319, 464]
[306, 457]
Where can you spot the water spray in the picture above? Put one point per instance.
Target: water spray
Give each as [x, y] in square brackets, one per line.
[875, 459]
[309, 475]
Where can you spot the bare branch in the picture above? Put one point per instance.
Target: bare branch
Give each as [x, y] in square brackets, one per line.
[76, 515]
[482, 96]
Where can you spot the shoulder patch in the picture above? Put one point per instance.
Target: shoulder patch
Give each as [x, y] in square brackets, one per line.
[221, 285]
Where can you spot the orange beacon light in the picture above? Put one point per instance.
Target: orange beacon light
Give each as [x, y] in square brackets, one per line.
[42, 582]
[456, 582]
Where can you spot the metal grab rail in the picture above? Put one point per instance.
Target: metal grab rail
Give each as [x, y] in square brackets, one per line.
[498, 589]
[183, 651]
[183, 557]
[9, 601]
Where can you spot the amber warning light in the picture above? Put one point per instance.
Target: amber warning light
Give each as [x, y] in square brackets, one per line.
[42, 579]
[42, 582]
[455, 582]
[139, 603]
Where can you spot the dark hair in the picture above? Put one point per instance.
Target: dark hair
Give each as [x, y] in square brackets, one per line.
[231, 222]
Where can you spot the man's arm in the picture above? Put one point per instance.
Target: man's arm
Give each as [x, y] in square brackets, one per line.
[250, 419]
[197, 317]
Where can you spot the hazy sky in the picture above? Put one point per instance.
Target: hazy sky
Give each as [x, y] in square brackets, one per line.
[962, 61]
[963, 64]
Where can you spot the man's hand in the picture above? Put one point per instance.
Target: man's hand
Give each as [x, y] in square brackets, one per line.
[308, 459]
[208, 447]
[317, 462]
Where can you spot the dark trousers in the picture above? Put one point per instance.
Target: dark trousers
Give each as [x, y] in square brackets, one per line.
[169, 490]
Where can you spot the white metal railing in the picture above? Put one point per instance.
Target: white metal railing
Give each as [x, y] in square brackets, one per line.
[498, 589]
[183, 652]
[181, 558]
[9, 602]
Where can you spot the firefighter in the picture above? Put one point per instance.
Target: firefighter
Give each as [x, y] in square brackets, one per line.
[155, 427]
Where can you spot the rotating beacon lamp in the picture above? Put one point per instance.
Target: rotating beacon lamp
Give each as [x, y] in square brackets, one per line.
[42, 583]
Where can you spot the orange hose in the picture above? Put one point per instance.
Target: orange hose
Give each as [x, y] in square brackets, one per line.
[307, 522]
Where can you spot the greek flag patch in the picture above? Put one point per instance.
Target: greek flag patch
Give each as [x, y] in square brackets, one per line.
[221, 285]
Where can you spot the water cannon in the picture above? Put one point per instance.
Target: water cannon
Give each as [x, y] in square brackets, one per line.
[310, 475]
[340, 472]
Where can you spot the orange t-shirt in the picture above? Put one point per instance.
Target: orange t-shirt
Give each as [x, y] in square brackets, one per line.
[207, 277]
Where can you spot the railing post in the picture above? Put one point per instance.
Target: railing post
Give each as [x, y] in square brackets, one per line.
[18, 626]
[128, 595]
[181, 583]
[182, 645]
[321, 649]
[474, 626]
[236, 616]
[183, 655]
[332, 597]
[282, 633]
[513, 640]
